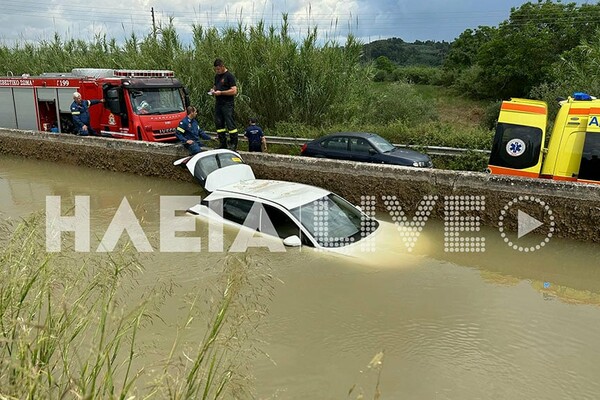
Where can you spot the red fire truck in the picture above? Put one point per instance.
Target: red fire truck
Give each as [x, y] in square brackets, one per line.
[139, 104]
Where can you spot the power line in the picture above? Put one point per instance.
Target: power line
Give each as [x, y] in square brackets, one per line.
[31, 8]
[373, 24]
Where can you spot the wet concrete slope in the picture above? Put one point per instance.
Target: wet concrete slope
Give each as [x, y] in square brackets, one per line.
[573, 208]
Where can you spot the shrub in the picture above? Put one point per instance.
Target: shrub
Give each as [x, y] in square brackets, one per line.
[418, 75]
[398, 102]
[471, 161]
[382, 76]
[490, 116]
[469, 82]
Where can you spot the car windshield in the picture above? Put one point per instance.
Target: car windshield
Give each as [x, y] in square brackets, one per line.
[156, 101]
[381, 144]
[334, 222]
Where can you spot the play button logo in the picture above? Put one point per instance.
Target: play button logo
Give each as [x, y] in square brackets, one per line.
[526, 223]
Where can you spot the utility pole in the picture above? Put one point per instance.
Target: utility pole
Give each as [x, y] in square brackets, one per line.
[153, 23]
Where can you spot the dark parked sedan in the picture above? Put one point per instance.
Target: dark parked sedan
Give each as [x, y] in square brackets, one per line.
[365, 147]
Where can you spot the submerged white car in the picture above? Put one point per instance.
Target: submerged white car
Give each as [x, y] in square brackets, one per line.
[298, 214]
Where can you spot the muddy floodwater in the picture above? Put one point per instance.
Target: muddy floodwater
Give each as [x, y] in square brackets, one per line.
[493, 324]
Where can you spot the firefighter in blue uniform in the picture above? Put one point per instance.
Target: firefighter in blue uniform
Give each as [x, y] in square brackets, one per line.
[189, 133]
[256, 137]
[81, 115]
[225, 90]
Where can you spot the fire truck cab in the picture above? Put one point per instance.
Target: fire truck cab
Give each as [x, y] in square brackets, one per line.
[139, 104]
[573, 152]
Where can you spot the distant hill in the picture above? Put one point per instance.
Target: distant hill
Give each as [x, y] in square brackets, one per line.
[428, 53]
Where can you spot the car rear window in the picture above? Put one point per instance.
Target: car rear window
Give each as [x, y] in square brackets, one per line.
[208, 164]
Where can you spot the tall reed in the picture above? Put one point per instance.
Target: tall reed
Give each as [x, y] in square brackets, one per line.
[69, 326]
[279, 78]
[62, 331]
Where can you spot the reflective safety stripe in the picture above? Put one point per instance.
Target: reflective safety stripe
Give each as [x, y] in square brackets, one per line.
[234, 131]
[89, 102]
[579, 111]
[75, 112]
[180, 129]
[221, 130]
[511, 171]
[534, 109]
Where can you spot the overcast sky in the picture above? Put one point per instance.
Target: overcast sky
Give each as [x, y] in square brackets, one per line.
[410, 20]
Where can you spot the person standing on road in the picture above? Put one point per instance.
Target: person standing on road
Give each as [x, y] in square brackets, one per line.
[189, 133]
[81, 115]
[256, 137]
[225, 90]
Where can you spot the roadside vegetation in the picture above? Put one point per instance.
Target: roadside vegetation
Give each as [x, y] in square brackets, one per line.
[307, 90]
[69, 326]
[543, 48]
[424, 94]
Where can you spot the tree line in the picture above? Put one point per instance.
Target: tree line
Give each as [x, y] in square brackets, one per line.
[543, 50]
[397, 51]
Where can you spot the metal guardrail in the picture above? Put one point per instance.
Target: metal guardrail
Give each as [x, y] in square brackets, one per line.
[431, 150]
[444, 151]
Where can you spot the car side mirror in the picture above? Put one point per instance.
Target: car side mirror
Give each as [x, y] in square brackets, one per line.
[292, 241]
[372, 152]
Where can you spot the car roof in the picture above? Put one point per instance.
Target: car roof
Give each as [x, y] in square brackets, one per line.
[351, 134]
[230, 175]
[288, 194]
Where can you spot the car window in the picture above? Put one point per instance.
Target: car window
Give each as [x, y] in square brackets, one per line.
[283, 224]
[381, 144]
[334, 222]
[227, 159]
[336, 143]
[205, 166]
[263, 216]
[210, 163]
[236, 210]
[360, 146]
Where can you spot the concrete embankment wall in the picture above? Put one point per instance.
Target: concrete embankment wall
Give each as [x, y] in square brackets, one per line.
[575, 208]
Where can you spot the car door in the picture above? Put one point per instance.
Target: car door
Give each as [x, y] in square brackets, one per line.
[336, 147]
[284, 226]
[262, 218]
[361, 150]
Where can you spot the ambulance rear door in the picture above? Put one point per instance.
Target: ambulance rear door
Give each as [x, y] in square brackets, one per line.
[519, 138]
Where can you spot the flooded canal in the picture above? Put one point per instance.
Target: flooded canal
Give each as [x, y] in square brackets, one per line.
[499, 324]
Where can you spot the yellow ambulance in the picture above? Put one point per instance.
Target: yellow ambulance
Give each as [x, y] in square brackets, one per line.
[573, 151]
